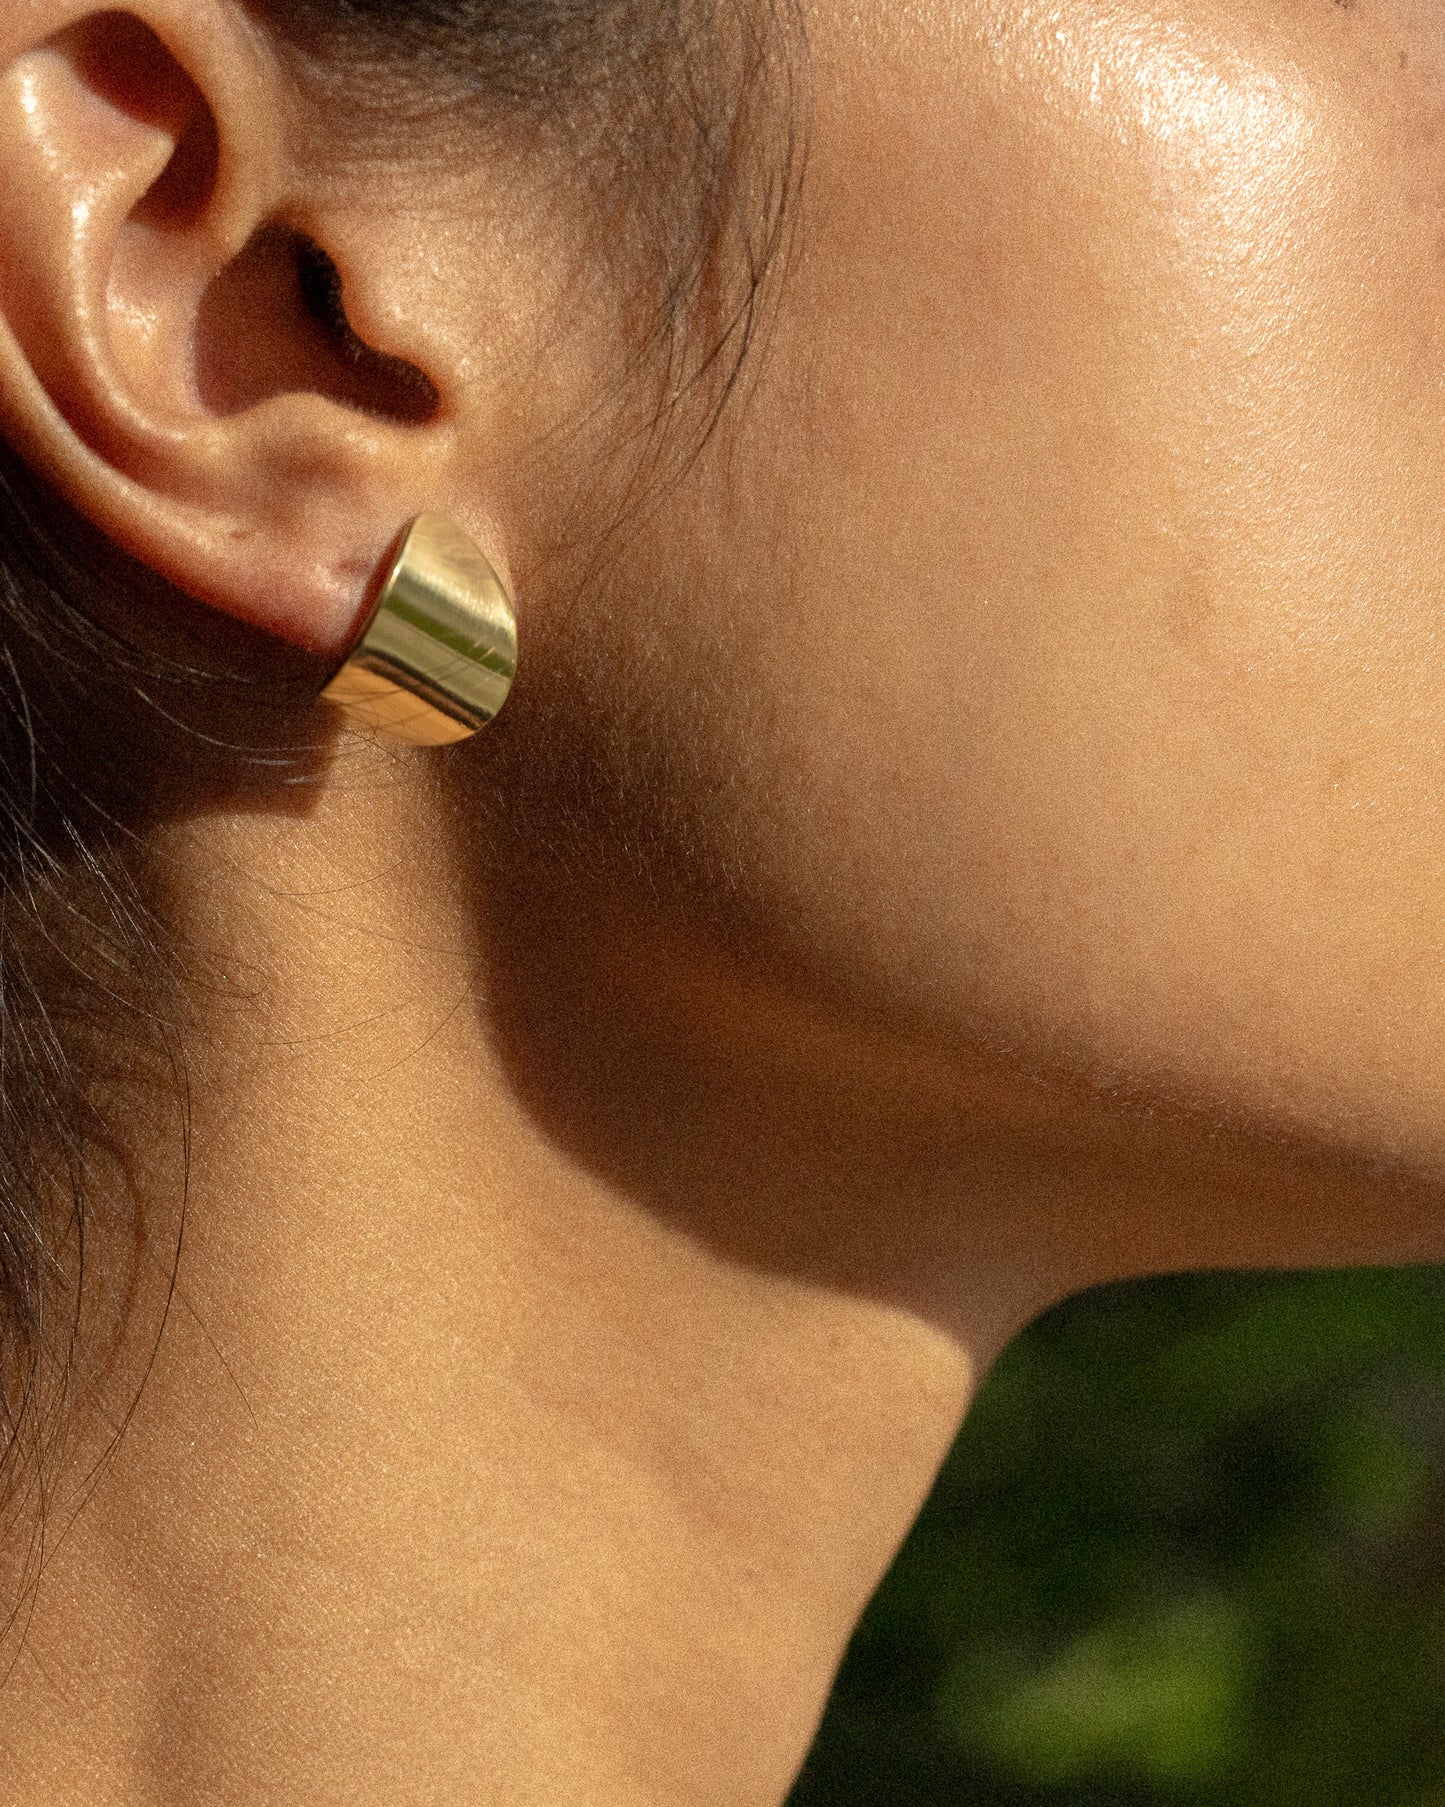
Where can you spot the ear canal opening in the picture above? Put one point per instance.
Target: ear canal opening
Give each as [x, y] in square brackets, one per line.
[411, 393]
[274, 323]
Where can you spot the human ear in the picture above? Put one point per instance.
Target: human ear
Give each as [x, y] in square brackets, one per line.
[175, 358]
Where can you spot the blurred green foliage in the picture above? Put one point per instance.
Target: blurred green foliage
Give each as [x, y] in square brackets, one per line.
[1189, 1550]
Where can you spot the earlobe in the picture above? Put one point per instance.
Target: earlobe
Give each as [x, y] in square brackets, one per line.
[163, 359]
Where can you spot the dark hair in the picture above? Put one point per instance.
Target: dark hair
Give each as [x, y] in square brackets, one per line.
[118, 698]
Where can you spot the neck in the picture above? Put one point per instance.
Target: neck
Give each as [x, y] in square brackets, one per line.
[565, 1335]
[460, 1469]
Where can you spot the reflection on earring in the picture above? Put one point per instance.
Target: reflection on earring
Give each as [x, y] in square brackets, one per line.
[439, 651]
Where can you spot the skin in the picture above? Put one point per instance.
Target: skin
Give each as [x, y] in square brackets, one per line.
[980, 838]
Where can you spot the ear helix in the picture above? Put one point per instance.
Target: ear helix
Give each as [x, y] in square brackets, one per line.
[436, 659]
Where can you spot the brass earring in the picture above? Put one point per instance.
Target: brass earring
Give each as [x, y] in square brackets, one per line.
[438, 654]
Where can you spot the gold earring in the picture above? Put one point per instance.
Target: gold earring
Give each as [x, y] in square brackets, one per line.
[438, 654]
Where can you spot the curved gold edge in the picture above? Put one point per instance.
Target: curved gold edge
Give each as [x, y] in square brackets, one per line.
[371, 701]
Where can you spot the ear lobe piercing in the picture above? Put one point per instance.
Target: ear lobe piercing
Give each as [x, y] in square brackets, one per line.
[438, 654]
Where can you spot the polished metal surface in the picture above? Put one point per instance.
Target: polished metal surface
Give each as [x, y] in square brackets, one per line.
[439, 652]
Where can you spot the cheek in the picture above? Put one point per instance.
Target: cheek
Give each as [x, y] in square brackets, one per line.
[1056, 648]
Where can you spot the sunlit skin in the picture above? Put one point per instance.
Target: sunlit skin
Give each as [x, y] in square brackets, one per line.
[980, 835]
